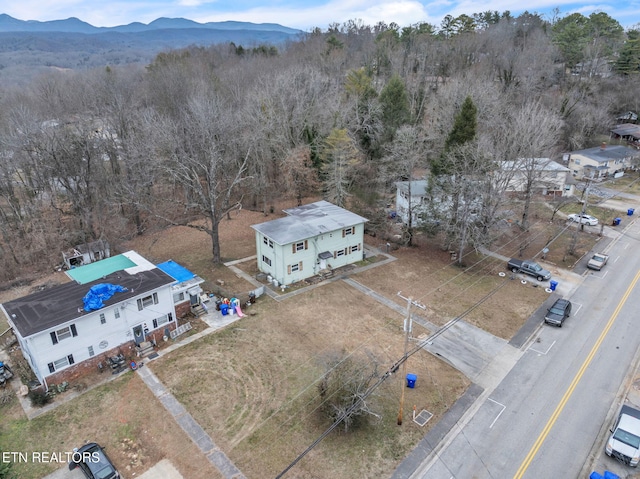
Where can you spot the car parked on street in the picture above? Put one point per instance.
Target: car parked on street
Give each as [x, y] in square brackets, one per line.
[557, 313]
[583, 219]
[93, 462]
[597, 261]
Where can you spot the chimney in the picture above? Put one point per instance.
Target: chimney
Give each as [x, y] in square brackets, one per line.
[603, 145]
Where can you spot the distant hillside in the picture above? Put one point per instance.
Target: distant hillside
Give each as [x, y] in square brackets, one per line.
[29, 47]
[74, 25]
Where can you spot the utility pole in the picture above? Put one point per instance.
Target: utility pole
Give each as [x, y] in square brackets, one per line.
[585, 199]
[408, 323]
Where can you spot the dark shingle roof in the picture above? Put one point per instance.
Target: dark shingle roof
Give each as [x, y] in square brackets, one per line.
[60, 304]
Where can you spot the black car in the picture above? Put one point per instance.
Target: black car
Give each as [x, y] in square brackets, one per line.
[94, 462]
[558, 312]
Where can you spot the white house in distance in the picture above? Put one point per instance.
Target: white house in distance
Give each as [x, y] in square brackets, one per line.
[109, 306]
[411, 196]
[549, 177]
[310, 239]
[601, 161]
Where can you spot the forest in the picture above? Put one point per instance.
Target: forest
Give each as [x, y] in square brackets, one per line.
[112, 152]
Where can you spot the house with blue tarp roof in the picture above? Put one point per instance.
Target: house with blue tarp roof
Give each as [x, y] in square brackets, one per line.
[186, 289]
[108, 307]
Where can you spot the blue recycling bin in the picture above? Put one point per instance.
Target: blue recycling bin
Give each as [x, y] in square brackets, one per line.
[411, 380]
[630, 211]
[596, 475]
[610, 475]
[616, 221]
[553, 285]
[224, 309]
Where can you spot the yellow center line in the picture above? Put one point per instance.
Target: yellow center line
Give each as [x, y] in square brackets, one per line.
[545, 432]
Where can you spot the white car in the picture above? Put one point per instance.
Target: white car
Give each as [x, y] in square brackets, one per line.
[584, 219]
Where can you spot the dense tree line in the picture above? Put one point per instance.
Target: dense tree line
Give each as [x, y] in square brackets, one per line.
[344, 113]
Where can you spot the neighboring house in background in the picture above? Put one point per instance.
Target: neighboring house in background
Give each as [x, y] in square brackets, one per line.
[311, 239]
[549, 177]
[186, 289]
[62, 334]
[629, 132]
[86, 253]
[628, 117]
[411, 197]
[601, 161]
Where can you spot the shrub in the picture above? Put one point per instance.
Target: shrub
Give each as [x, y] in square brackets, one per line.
[39, 398]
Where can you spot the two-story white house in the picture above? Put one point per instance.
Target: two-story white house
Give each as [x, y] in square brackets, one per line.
[602, 161]
[548, 177]
[411, 199]
[106, 308]
[310, 239]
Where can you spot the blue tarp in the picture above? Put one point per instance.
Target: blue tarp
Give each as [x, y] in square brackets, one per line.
[100, 292]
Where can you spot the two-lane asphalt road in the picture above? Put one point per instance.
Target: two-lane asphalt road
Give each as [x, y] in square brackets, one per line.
[544, 418]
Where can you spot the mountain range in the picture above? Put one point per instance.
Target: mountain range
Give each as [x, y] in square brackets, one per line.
[75, 25]
[29, 47]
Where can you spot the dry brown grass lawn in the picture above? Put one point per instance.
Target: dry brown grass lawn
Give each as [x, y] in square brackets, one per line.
[253, 386]
[122, 416]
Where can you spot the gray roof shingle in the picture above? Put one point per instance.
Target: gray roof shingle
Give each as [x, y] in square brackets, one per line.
[308, 221]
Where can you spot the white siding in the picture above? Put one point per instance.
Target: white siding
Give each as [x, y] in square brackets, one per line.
[90, 331]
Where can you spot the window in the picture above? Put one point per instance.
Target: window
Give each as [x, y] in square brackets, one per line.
[576, 161]
[340, 252]
[116, 313]
[299, 246]
[354, 248]
[266, 260]
[64, 333]
[60, 363]
[292, 268]
[178, 297]
[103, 319]
[147, 301]
[162, 320]
[348, 231]
[91, 353]
[267, 241]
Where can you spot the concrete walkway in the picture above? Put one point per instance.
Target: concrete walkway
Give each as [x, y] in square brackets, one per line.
[190, 426]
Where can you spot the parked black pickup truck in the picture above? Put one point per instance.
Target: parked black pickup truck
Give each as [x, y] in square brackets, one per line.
[529, 267]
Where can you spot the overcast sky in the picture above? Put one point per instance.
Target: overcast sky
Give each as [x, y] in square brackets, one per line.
[302, 14]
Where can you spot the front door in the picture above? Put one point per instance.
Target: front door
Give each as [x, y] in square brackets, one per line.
[323, 264]
[138, 334]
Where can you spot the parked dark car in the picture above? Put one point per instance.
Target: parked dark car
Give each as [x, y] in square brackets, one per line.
[557, 313]
[94, 462]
